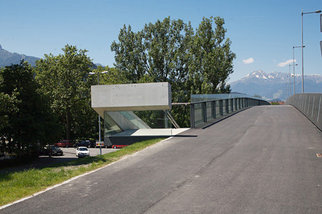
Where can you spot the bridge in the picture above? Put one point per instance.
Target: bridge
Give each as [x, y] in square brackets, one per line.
[264, 159]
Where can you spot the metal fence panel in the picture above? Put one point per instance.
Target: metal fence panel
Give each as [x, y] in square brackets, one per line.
[204, 112]
[310, 104]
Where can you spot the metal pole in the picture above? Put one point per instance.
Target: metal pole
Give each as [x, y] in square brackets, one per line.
[302, 54]
[290, 72]
[302, 13]
[293, 73]
[99, 120]
[303, 46]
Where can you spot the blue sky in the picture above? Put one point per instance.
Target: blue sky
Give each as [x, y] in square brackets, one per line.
[263, 32]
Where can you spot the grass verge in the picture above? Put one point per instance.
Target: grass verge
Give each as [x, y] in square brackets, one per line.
[17, 185]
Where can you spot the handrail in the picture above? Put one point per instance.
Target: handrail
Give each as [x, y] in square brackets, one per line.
[309, 104]
[206, 112]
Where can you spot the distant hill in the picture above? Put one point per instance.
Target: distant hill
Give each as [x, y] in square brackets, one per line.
[7, 58]
[276, 85]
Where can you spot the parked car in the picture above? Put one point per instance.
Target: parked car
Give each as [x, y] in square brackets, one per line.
[82, 151]
[52, 150]
[64, 143]
[92, 143]
[84, 143]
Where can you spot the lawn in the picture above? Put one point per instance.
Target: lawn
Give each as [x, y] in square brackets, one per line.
[17, 185]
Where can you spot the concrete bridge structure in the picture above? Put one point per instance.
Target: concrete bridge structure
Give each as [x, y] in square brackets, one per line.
[264, 159]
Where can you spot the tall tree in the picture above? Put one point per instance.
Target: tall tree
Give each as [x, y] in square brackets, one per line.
[8, 105]
[158, 53]
[170, 51]
[65, 79]
[213, 59]
[130, 54]
[30, 123]
[155, 54]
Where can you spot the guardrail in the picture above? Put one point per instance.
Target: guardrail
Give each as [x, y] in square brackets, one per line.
[207, 112]
[310, 105]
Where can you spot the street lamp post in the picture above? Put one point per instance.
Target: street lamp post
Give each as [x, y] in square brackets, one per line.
[294, 67]
[99, 117]
[290, 72]
[303, 13]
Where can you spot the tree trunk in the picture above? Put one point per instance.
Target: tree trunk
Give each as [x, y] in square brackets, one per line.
[67, 126]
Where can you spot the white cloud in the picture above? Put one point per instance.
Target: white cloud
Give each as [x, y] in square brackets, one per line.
[283, 64]
[278, 94]
[249, 60]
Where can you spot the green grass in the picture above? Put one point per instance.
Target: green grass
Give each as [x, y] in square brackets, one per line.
[275, 103]
[16, 185]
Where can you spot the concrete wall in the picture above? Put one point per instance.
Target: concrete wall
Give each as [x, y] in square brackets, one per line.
[131, 97]
[310, 105]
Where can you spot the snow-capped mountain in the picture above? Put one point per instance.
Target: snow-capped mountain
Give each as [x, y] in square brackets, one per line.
[276, 85]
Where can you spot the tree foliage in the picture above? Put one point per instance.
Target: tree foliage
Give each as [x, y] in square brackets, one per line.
[109, 75]
[28, 123]
[65, 79]
[170, 51]
[8, 105]
[212, 58]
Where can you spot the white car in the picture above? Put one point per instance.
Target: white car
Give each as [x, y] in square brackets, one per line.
[82, 151]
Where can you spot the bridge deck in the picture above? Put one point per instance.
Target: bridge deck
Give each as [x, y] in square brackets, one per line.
[261, 160]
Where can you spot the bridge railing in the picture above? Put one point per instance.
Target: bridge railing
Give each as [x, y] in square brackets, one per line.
[206, 112]
[310, 104]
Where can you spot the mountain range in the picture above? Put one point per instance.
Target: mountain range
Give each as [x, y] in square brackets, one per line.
[276, 85]
[7, 58]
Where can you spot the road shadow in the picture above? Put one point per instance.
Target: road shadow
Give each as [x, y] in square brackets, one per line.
[47, 162]
[189, 135]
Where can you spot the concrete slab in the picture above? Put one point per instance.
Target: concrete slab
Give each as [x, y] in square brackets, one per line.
[151, 132]
[131, 97]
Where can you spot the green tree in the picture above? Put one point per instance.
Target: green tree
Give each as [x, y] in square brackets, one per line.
[29, 123]
[7, 107]
[65, 79]
[170, 51]
[130, 54]
[158, 53]
[212, 58]
[109, 75]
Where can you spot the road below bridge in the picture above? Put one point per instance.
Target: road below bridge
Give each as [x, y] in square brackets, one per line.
[261, 160]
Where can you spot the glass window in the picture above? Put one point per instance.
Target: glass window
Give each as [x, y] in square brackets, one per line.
[110, 127]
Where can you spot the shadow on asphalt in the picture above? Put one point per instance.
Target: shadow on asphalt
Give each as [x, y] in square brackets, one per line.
[47, 162]
[185, 135]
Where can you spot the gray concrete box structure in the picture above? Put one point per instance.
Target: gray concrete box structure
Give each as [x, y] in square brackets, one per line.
[116, 103]
[131, 97]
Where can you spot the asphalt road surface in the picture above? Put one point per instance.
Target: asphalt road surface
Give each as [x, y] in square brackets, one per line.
[261, 160]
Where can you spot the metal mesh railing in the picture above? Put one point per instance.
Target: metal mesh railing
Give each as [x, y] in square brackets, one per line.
[204, 112]
[310, 104]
